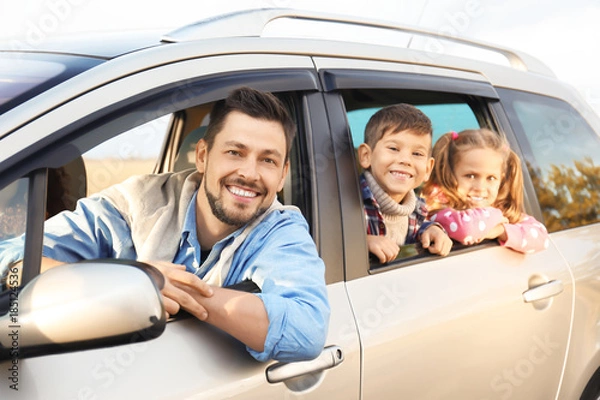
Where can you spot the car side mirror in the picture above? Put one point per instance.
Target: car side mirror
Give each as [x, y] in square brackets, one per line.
[80, 306]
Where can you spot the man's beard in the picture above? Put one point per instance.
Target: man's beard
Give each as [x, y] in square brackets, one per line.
[216, 205]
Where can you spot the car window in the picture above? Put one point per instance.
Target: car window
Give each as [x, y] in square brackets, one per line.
[13, 222]
[447, 112]
[562, 154]
[25, 75]
[134, 138]
[133, 152]
[444, 118]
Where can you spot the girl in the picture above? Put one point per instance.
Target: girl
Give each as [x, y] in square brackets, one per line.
[476, 192]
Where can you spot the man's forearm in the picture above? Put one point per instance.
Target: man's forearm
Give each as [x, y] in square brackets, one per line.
[16, 270]
[242, 315]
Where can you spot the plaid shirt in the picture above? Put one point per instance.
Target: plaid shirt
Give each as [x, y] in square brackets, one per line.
[374, 218]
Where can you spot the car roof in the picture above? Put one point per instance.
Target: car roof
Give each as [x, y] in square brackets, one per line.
[246, 23]
[242, 33]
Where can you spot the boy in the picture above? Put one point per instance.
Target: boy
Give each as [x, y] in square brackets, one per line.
[396, 158]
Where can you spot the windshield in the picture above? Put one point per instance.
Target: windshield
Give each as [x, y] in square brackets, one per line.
[24, 75]
[18, 76]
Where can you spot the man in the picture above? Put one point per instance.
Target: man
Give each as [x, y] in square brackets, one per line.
[221, 223]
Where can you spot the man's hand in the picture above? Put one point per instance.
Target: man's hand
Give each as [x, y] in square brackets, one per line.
[436, 240]
[179, 284]
[383, 248]
[242, 315]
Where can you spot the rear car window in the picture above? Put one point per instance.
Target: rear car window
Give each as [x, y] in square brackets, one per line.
[562, 153]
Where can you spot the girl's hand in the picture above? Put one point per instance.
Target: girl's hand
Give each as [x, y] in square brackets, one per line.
[383, 248]
[498, 231]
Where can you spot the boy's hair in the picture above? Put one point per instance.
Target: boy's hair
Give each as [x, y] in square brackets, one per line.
[396, 118]
[442, 183]
[256, 104]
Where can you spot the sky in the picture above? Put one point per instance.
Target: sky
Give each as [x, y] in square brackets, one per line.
[560, 33]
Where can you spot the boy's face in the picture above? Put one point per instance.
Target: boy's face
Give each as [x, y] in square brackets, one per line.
[400, 161]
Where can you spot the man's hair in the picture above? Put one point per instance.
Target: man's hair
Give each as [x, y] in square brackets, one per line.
[396, 118]
[255, 104]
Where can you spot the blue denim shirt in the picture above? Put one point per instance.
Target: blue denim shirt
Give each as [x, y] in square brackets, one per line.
[279, 255]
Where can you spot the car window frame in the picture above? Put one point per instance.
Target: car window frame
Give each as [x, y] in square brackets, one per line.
[78, 136]
[481, 95]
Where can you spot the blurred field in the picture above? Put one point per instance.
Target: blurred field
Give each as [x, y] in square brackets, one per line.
[102, 173]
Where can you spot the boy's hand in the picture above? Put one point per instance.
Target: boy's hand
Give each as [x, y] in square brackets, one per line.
[383, 248]
[436, 240]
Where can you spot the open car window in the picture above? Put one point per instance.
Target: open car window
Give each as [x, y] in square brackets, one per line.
[447, 112]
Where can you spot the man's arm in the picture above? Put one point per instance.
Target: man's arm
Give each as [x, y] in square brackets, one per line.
[242, 315]
[16, 270]
[288, 320]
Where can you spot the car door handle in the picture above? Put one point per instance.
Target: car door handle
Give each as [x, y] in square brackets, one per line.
[329, 358]
[543, 291]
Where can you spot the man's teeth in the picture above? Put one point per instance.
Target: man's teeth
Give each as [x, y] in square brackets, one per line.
[241, 192]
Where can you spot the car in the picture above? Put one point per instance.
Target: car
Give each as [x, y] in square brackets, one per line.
[80, 113]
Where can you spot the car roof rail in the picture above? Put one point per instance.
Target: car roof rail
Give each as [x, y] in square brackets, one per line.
[252, 23]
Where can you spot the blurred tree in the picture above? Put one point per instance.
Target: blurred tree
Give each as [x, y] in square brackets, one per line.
[569, 196]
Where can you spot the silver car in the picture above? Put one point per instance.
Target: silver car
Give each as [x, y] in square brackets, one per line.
[482, 323]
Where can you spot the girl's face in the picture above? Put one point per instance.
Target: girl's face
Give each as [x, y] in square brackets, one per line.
[479, 173]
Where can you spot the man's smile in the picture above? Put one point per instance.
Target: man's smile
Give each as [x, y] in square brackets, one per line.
[238, 191]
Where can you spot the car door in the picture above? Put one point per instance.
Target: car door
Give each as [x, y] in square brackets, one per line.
[190, 359]
[467, 326]
[561, 147]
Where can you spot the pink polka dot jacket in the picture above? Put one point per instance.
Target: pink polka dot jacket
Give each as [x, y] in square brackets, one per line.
[472, 225]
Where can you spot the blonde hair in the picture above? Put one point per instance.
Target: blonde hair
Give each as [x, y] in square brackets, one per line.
[441, 190]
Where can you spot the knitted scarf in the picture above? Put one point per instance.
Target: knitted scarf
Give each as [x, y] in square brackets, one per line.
[394, 214]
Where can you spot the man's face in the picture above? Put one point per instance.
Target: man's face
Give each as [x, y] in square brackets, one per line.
[400, 162]
[244, 169]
